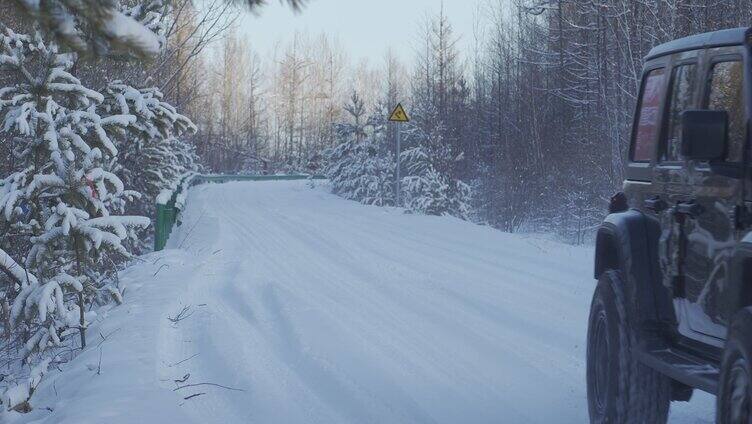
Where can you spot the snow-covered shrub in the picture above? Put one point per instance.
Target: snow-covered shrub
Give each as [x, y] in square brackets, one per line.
[360, 168]
[433, 194]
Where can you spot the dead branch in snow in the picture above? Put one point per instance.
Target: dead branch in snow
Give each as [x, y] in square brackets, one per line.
[183, 314]
[180, 362]
[193, 396]
[161, 268]
[208, 384]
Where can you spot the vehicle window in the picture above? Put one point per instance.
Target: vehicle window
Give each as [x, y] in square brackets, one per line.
[647, 124]
[726, 93]
[683, 84]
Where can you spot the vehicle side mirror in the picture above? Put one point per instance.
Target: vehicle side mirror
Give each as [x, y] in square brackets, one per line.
[704, 134]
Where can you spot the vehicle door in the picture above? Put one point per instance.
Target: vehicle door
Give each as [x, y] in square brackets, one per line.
[708, 214]
[671, 172]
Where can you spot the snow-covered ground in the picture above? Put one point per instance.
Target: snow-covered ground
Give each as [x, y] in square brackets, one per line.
[312, 309]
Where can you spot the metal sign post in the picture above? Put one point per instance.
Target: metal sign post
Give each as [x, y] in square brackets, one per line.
[399, 164]
[399, 116]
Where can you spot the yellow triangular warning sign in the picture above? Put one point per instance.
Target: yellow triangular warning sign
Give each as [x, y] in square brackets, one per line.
[399, 114]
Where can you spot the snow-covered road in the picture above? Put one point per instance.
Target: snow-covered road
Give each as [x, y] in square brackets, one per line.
[321, 310]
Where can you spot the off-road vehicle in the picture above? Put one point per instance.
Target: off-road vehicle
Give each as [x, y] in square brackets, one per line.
[672, 310]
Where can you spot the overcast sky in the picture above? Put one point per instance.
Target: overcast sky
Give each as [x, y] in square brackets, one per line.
[366, 28]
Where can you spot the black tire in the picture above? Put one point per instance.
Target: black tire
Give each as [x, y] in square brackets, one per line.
[734, 389]
[620, 389]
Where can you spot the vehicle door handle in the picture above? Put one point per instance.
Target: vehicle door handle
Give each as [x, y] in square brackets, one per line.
[691, 209]
[656, 204]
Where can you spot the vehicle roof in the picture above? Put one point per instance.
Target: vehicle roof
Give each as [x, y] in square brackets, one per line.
[726, 37]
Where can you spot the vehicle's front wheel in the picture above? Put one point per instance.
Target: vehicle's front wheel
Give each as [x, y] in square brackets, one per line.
[620, 389]
[735, 385]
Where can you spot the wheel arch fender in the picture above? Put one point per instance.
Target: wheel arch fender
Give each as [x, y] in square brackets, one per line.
[628, 241]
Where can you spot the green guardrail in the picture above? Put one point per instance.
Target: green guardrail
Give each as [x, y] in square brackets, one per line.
[168, 209]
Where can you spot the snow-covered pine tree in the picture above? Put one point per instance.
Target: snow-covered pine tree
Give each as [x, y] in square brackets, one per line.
[65, 198]
[343, 160]
[356, 167]
[429, 186]
[378, 179]
[152, 153]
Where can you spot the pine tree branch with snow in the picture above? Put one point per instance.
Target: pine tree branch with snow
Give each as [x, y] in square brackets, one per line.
[155, 154]
[110, 27]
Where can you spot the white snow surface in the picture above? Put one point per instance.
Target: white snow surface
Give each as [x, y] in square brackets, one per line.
[323, 310]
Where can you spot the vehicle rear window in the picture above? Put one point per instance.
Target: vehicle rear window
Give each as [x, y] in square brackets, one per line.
[648, 112]
[683, 84]
[726, 93]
